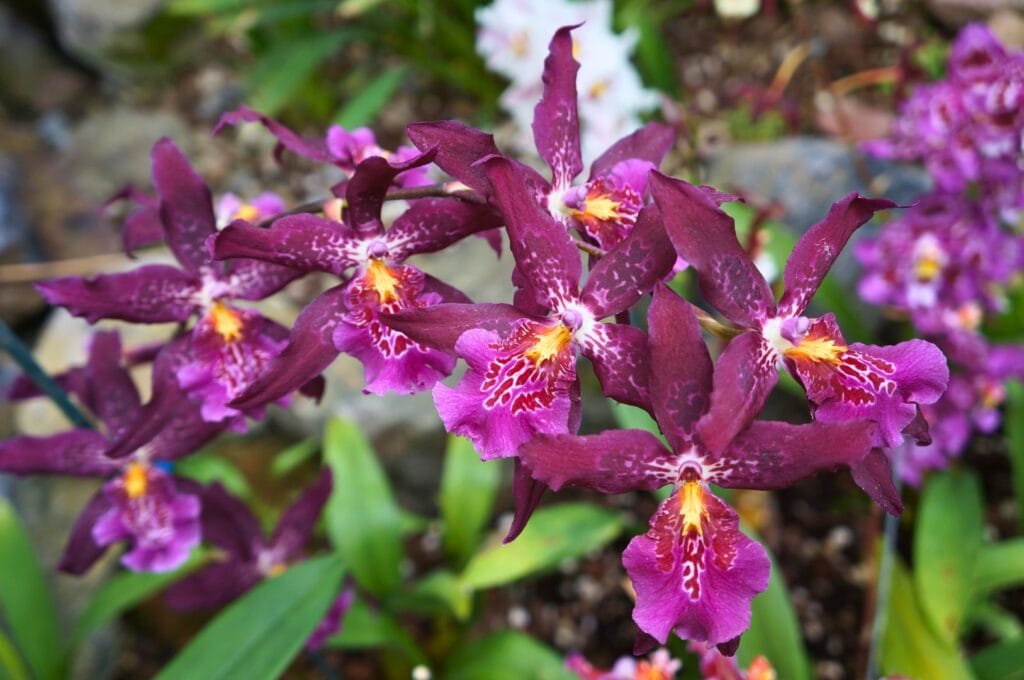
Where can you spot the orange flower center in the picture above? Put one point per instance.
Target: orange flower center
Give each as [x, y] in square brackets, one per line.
[549, 344]
[135, 480]
[600, 207]
[818, 350]
[277, 569]
[247, 212]
[382, 279]
[691, 507]
[760, 669]
[226, 321]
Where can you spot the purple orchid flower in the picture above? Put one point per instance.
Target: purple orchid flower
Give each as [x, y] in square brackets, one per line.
[694, 572]
[340, 147]
[248, 557]
[604, 208]
[141, 502]
[349, 317]
[842, 380]
[230, 346]
[231, 207]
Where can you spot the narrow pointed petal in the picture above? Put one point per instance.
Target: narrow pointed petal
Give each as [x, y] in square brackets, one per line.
[527, 494]
[444, 291]
[309, 351]
[744, 377]
[541, 246]
[681, 385]
[212, 586]
[256, 280]
[315, 149]
[874, 476]
[440, 326]
[186, 207]
[296, 525]
[817, 249]
[155, 293]
[621, 358]
[141, 228]
[82, 551]
[110, 391]
[650, 143]
[459, 147]
[774, 455]
[76, 452]
[615, 461]
[229, 525]
[302, 242]
[556, 123]
[706, 238]
[631, 268]
[369, 185]
[432, 224]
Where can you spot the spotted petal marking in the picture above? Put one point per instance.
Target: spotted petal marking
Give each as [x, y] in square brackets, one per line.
[556, 124]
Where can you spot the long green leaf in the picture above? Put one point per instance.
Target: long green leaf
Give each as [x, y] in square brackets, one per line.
[1014, 425]
[281, 72]
[259, 635]
[11, 665]
[371, 98]
[1000, 662]
[507, 655]
[208, 467]
[1000, 565]
[292, 457]
[554, 534]
[370, 628]
[26, 601]
[947, 541]
[363, 521]
[468, 488]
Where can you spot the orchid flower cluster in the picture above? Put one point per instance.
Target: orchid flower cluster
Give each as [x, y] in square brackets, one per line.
[947, 261]
[694, 572]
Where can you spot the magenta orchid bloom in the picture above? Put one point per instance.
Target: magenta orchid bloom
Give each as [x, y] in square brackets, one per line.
[230, 346]
[843, 380]
[340, 147]
[348, 317]
[604, 208]
[694, 572]
[141, 502]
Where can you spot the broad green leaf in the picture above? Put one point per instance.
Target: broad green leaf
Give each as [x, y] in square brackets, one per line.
[258, 635]
[775, 632]
[362, 108]
[652, 53]
[947, 540]
[207, 7]
[124, 591]
[11, 665]
[282, 71]
[363, 521]
[468, 488]
[26, 602]
[1014, 426]
[445, 588]
[367, 628]
[1000, 662]
[292, 457]
[1000, 565]
[208, 467]
[998, 622]
[507, 655]
[554, 534]
[909, 645]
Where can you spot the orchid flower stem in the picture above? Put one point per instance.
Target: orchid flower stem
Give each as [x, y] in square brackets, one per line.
[22, 356]
[883, 581]
[713, 326]
[588, 248]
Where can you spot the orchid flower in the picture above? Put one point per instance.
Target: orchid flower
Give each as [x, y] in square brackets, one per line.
[658, 666]
[694, 572]
[843, 381]
[140, 502]
[716, 666]
[347, 318]
[230, 346]
[604, 208]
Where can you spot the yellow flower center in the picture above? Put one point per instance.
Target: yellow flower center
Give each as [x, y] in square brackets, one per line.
[226, 321]
[549, 344]
[520, 43]
[600, 207]
[135, 480]
[247, 212]
[691, 507]
[927, 268]
[760, 669]
[598, 89]
[819, 350]
[382, 279]
[645, 670]
[277, 569]
[576, 49]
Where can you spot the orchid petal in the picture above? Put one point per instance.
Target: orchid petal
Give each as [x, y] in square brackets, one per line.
[186, 207]
[141, 228]
[650, 143]
[229, 525]
[556, 123]
[440, 326]
[620, 355]
[81, 550]
[76, 452]
[432, 224]
[369, 184]
[459, 147]
[296, 525]
[873, 475]
[256, 280]
[212, 586]
[155, 293]
[315, 149]
[527, 494]
[110, 391]
[302, 242]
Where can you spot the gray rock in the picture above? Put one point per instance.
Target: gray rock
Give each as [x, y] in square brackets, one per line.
[90, 27]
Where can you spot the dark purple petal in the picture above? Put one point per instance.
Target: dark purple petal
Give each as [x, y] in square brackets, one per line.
[155, 293]
[75, 452]
[744, 377]
[556, 123]
[229, 525]
[706, 238]
[309, 351]
[459, 147]
[110, 391]
[621, 359]
[303, 242]
[444, 291]
[295, 527]
[874, 476]
[817, 249]
[681, 385]
[440, 326]
[541, 245]
[72, 381]
[369, 184]
[631, 268]
[432, 224]
[141, 228]
[82, 551]
[186, 207]
[256, 280]
[774, 455]
[314, 149]
[615, 461]
[212, 586]
[527, 494]
[649, 143]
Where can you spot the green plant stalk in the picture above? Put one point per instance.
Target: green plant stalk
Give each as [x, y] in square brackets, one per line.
[10, 662]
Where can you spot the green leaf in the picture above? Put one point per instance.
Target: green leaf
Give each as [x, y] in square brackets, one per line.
[909, 645]
[368, 628]
[445, 587]
[947, 541]
[634, 418]
[1000, 662]
[207, 7]
[1014, 426]
[292, 457]
[11, 665]
[995, 620]
[207, 467]
[124, 591]
[26, 603]
[363, 521]
[554, 534]
[282, 71]
[468, 488]
[371, 98]
[257, 636]
[507, 655]
[775, 632]
[1000, 565]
